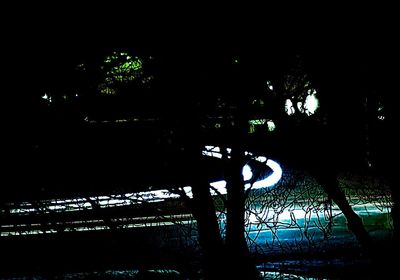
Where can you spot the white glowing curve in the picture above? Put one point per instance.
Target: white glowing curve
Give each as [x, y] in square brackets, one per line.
[271, 180]
[218, 187]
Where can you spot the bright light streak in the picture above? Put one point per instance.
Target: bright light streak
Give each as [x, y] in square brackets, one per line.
[212, 151]
[188, 191]
[261, 159]
[213, 148]
[271, 179]
[157, 195]
[220, 186]
[21, 210]
[211, 154]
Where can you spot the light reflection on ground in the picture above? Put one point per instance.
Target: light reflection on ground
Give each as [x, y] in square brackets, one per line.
[79, 204]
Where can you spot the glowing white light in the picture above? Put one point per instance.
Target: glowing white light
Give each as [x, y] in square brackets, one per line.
[220, 186]
[211, 154]
[56, 207]
[47, 97]
[300, 106]
[113, 201]
[271, 179]
[246, 172]
[289, 109]
[271, 125]
[212, 148]
[21, 210]
[311, 103]
[155, 195]
[188, 191]
[100, 197]
[261, 159]
[212, 151]
[216, 149]
[269, 85]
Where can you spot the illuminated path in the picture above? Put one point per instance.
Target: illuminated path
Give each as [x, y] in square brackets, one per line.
[81, 204]
[218, 187]
[294, 229]
[259, 225]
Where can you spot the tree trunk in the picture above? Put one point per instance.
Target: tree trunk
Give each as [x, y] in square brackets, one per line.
[203, 210]
[238, 254]
[210, 240]
[331, 186]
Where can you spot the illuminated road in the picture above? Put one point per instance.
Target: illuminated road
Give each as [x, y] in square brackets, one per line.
[265, 227]
[129, 199]
[151, 226]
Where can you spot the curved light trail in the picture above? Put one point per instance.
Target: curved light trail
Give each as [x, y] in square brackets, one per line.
[257, 228]
[270, 181]
[218, 187]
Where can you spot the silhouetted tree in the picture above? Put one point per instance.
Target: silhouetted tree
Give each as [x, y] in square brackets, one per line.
[320, 136]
